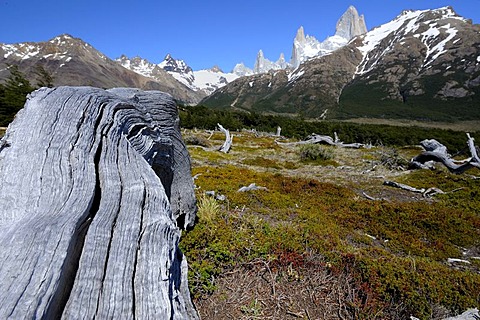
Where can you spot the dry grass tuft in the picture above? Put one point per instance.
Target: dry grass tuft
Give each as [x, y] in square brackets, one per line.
[208, 208]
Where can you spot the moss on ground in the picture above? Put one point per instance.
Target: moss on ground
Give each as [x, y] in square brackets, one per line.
[396, 251]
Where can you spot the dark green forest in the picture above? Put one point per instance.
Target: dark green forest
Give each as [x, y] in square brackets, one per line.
[13, 93]
[202, 117]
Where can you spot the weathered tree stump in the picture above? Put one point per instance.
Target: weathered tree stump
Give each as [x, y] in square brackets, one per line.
[94, 187]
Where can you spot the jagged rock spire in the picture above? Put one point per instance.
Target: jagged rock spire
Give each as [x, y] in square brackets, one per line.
[300, 37]
[350, 24]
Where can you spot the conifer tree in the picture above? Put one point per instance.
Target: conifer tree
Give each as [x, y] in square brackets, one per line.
[44, 78]
[13, 94]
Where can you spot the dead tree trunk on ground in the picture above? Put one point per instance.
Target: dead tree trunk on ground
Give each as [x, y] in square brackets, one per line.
[437, 152]
[315, 138]
[94, 186]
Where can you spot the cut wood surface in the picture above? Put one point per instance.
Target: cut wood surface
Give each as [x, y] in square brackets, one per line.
[95, 186]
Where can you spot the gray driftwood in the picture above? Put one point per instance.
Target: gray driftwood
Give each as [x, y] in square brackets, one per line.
[225, 148]
[251, 187]
[435, 151]
[426, 193]
[279, 131]
[94, 187]
[321, 139]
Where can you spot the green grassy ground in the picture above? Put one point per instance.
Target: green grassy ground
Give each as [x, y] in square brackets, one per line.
[390, 257]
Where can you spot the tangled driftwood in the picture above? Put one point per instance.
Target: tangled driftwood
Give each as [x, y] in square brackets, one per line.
[94, 186]
[435, 151]
[315, 138]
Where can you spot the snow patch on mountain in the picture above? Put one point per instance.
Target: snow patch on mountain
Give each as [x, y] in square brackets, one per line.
[137, 64]
[296, 74]
[406, 24]
[20, 50]
[62, 47]
[61, 40]
[207, 80]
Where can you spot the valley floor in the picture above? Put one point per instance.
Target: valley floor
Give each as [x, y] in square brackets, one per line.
[312, 244]
[464, 126]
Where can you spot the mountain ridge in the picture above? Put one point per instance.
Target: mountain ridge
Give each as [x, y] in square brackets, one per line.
[72, 61]
[415, 66]
[421, 57]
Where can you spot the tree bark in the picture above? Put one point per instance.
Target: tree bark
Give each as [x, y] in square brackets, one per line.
[95, 186]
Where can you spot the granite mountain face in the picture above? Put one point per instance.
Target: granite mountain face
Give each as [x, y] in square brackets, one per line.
[72, 61]
[350, 25]
[422, 65]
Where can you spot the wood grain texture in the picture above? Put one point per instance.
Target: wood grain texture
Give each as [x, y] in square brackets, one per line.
[95, 186]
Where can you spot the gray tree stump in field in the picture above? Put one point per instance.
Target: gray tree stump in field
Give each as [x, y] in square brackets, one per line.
[95, 186]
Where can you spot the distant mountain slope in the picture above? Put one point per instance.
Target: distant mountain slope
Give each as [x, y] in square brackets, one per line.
[421, 65]
[309, 90]
[203, 82]
[72, 61]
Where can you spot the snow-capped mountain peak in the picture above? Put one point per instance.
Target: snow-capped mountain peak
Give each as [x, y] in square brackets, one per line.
[170, 64]
[216, 69]
[205, 81]
[263, 65]
[241, 70]
[348, 26]
[300, 36]
[434, 28]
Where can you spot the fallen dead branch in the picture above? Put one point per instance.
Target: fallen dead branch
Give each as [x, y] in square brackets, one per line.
[403, 186]
[426, 193]
[370, 197]
[435, 151]
[315, 138]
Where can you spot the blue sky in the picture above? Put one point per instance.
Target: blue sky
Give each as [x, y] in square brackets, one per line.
[203, 33]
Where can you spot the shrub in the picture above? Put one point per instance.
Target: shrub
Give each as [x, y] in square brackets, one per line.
[196, 141]
[315, 152]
